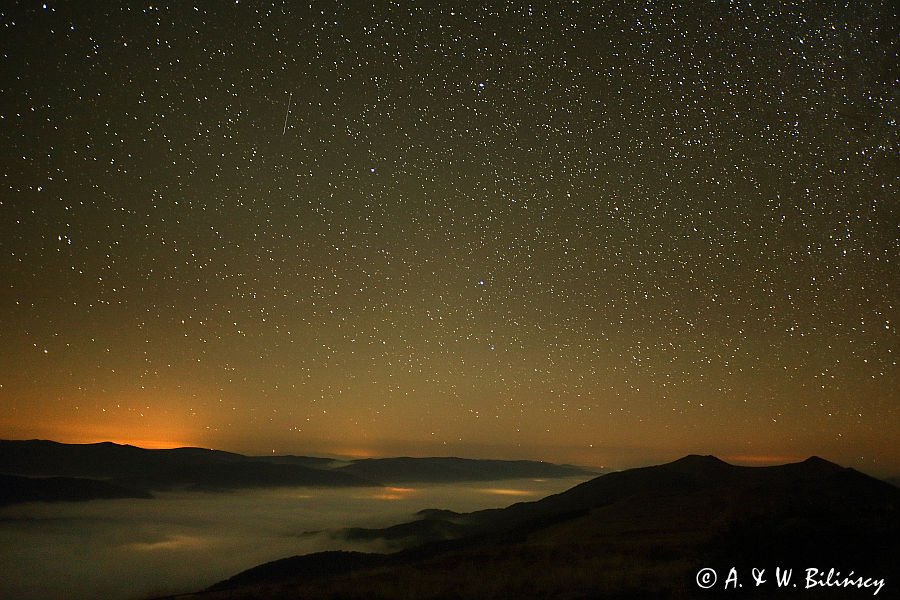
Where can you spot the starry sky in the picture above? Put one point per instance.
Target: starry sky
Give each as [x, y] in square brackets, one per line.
[594, 232]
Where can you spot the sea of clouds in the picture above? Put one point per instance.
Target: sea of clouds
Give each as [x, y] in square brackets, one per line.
[179, 542]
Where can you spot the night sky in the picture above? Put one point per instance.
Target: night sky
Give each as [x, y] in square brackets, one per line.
[595, 232]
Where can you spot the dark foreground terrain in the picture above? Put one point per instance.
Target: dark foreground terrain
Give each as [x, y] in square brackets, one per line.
[641, 533]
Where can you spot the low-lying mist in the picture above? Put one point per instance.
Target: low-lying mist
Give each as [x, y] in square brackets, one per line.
[135, 549]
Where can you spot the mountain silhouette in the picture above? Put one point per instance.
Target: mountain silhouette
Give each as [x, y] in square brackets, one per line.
[15, 489]
[138, 468]
[202, 469]
[632, 534]
[446, 469]
[686, 477]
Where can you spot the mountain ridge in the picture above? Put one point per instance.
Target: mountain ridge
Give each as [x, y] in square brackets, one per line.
[15, 489]
[405, 469]
[211, 470]
[677, 517]
[161, 469]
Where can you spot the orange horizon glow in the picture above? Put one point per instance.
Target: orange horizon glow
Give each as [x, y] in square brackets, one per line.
[181, 434]
[394, 493]
[148, 443]
[507, 492]
[356, 453]
[151, 435]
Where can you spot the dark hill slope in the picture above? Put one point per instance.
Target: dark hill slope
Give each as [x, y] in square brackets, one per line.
[696, 480]
[15, 489]
[633, 534]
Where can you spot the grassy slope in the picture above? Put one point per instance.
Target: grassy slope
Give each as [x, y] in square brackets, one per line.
[647, 534]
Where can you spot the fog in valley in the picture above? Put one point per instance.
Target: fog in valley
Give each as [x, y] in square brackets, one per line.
[176, 542]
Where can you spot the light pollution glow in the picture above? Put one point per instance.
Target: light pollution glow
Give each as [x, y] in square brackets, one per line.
[548, 234]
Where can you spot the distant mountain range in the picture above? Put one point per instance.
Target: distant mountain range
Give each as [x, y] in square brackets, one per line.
[85, 471]
[641, 533]
[14, 489]
[141, 469]
[449, 469]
